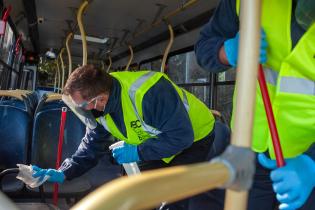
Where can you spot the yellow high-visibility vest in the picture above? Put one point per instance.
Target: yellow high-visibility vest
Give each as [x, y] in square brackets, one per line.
[290, 75]
[134, 85]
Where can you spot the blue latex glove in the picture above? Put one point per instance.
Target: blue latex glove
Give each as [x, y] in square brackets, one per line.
[231, 49]
[126, 153]
[55, 175]
[292, 183]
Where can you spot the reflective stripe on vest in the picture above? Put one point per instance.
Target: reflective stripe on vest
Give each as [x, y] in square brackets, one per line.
[271, 76]
[132, 91]
[290, 84]
[297, 86]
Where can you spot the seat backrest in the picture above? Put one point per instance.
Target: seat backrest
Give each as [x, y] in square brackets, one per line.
[46, 134]
[15, 124]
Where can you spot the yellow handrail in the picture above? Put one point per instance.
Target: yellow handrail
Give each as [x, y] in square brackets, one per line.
[110, 63]
[59, 77]
[62, 68]
[102, 66]
[168, 16]
[130, 58]
[168, 48]
[153, 187]
[246, 88]
[53, 97]
[68, 40]
[82, 31]
[18, 94]
[55, 83]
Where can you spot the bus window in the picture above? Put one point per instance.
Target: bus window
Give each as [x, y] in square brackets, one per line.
[7, 47]
[184, 71]
[156, 65]
[145, 66]
[224, 93]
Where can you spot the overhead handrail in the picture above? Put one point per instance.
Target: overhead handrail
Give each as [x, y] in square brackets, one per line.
[18, 94]
[82, 31]
[62, 68]
[247, 69]
[68, 40]
[169, 184]
[168, 47]
[168, 16]
[130, 58]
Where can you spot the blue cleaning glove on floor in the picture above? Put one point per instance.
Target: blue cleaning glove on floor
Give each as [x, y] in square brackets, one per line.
[126, 153]
[55, 175]
[231, 49]
[292, 183]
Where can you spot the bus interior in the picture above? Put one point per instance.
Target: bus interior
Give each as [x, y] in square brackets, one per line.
[43, 41]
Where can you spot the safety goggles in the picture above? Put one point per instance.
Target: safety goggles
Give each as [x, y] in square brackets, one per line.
[85, 104]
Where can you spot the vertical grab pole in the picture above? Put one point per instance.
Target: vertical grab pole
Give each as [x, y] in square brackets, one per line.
[82, 31]
[130, 58]
[55, 83]
[246, 88]
[58, 73]
[69, 38]
[168, 48]
[270, 117]
[102, 66]
[59, 151]
[110, 63]
[62, 68]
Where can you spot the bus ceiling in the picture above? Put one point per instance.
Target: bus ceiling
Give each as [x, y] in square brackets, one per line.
[110, 26]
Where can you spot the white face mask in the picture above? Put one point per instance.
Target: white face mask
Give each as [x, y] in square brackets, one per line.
[305, 13]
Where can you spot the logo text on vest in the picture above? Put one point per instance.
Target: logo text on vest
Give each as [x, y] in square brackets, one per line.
[136, 126]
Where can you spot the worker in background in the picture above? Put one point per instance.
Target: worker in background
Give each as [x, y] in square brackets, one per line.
[161, 124]
[287, 51]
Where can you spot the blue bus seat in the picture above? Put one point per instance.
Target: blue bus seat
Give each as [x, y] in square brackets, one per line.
[15, 130]
[45, 142]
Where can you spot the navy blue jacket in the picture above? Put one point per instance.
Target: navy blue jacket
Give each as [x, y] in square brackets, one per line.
[223, 25]
[162, 109]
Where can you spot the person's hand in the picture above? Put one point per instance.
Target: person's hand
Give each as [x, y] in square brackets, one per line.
[125, 153]
[54, 175]
[292, 183]
[231, 49]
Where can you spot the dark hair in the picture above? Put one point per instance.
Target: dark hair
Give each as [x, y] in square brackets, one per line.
[89, 81]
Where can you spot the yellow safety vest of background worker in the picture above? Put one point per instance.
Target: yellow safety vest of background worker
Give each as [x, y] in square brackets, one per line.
[133, 90]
